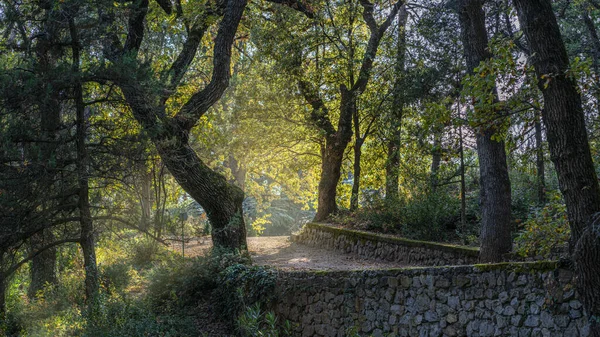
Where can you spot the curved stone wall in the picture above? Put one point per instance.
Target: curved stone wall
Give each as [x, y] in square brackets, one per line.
[383, 247]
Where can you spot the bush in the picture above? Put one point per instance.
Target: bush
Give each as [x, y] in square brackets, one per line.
[177, 282]
[545, 232]
[241, 286]
[123, 317]
[144, 251]
[425, 217]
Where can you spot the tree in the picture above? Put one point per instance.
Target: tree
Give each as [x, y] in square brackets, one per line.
[392, 165]
[337, 139]
[566, 132]
[495, 195]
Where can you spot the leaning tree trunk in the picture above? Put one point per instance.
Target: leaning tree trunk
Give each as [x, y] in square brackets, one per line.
[495, 196]
[564, 120]
[221, 200]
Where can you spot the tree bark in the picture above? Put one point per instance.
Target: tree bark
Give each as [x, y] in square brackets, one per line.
[495, 195]
[358, 143]
[539, 159]
[392, 165]
[595, 50]
[436, 158]
[563, 117]
[335, 145]
[221, 200]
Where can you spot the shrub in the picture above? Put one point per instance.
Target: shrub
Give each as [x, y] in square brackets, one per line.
[253, 323]
[241, 286]
[545, 231]
[177, 282]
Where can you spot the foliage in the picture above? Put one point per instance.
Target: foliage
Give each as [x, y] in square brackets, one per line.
[430, 217]
[242, 286]
[545, 231]
[253, 323]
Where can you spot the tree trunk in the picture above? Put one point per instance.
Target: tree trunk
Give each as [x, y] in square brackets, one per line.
[495, 196]
[564, 120]
[333, 154]
[146, 198]
[43, 266]
[238, 171]
[356, 184]
[595, 51]
[87, 239]
[392, 165]
[539, 154]
[436, 158]
[221, 200]
[463, 197]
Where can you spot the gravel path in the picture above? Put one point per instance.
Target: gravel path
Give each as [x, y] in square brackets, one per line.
[279, 252]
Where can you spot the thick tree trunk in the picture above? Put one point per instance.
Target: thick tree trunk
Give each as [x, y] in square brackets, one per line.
[221, 200]
[496, 240]
[43, 266]
[335, 145]
[495, 196]
[392, 165]
[564, 120]
[539, 159]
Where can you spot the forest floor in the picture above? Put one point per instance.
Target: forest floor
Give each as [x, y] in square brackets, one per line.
[281, 253]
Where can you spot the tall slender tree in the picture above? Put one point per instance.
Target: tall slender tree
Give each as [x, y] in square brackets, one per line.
[392, 165]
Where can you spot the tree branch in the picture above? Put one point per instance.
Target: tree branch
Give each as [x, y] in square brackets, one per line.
[320, 114]
[297, 5]
[31, 256]
[201, 101]
[374, 40]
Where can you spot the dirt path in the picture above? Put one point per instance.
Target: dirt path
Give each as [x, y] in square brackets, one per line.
[279, 252]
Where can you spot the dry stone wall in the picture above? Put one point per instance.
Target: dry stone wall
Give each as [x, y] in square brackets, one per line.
[513, 299]
[387, 248]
